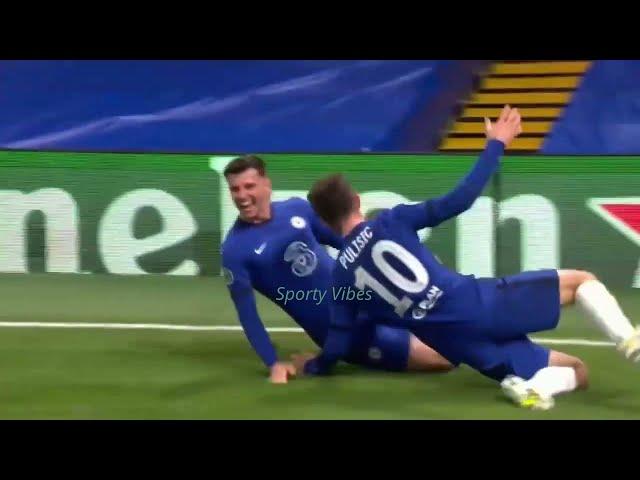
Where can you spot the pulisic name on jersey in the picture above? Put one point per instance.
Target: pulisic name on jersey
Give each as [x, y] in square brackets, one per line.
[318, 295]
[351, 252]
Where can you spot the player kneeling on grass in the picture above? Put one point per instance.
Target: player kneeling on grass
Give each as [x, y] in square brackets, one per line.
[276, 249]
[481, 322]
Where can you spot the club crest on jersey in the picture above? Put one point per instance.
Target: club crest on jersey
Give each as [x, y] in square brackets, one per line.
[298, 222]
[303, 259]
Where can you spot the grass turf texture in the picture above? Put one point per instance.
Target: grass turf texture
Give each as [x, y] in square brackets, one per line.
[150, 374]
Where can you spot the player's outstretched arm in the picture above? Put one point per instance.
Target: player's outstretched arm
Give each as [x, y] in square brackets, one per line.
[253, 327]
[336, 345]
[434, 211]
[244, 301]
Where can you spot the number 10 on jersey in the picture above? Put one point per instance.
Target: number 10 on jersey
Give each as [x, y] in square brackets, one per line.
[365, 279]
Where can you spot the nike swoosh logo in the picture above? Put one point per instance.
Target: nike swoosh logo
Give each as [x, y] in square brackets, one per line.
[260, 248]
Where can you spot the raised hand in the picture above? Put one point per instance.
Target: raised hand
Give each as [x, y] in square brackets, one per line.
[506, 128]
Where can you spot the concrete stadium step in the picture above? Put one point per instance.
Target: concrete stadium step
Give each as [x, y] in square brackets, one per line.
[540, 90]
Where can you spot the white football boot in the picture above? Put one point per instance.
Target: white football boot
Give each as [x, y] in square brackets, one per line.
[524, 396]
[630, 347]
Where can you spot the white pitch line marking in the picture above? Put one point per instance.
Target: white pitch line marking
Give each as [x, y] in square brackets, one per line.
[238, 328]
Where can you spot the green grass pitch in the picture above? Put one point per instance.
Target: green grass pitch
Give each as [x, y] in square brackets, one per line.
[56, 373]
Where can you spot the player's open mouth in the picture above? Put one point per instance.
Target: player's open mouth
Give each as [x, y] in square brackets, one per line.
[245, 206]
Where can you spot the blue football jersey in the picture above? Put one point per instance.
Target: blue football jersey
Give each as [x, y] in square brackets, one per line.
[283, 259]
[384, 269]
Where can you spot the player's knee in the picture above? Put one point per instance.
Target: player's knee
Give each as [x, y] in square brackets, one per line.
[570, 281]
[583, 277]
[587, 276]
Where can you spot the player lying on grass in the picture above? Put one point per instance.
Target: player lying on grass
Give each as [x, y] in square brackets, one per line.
[479, 322]
[275, 248]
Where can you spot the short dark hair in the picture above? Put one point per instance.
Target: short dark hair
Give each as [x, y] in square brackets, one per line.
[240, 164]
[332, 199]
